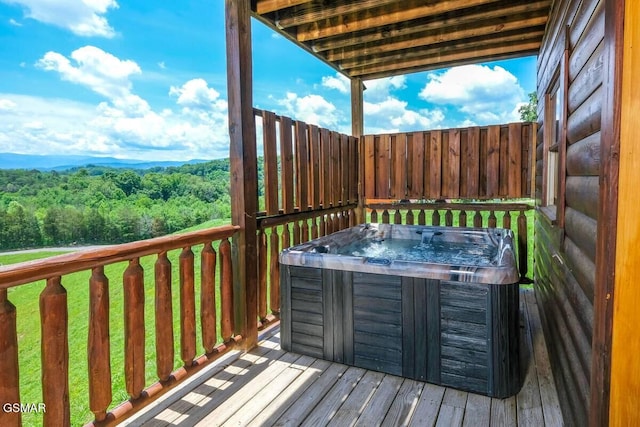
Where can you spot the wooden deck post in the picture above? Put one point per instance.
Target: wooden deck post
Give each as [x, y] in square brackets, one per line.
[603, 301]
[625, 367]
[357, 130]
[243, 158]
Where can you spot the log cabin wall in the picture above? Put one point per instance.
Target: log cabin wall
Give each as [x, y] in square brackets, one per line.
[489, 162]
[570, 63]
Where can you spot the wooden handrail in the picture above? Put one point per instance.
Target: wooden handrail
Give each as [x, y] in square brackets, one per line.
[480, 206]
[31, 271]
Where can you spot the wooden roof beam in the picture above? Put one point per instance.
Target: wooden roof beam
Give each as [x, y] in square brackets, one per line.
[438, 37]
[436, 61]
[317, 11]
[496, 11]
[475, 43]
[267, 6]
[382, 16]
[499, 10]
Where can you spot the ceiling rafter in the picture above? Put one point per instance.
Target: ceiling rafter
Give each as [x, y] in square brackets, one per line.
[436, 37]
[370, 18]
[421, 52]
[377, 38]
[429, 61]
[497, 11]
[318, 10]
[267, 6]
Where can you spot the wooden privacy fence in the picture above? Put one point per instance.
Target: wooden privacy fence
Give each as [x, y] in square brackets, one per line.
[55, 322]
[305, 167]
[471, 163]
[310, 177]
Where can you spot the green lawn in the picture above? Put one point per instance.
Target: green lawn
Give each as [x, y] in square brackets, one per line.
[26, 300]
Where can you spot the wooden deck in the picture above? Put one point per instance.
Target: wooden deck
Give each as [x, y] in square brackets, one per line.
[268, 386]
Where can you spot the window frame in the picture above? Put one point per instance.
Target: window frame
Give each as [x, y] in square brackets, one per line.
[555, 143]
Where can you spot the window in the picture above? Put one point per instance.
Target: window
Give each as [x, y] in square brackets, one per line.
[554, 134]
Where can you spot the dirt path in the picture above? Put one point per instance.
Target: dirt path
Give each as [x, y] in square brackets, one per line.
[56, 249]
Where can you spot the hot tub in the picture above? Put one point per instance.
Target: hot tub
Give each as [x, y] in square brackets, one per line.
[436, 304]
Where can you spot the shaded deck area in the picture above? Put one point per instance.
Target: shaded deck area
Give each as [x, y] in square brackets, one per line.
[268, 386]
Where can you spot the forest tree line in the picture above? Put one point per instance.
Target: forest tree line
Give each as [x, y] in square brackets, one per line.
[99, 205]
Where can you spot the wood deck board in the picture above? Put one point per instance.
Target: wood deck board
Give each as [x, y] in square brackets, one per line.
[267, 387]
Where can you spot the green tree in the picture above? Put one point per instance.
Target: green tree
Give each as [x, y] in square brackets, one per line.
[529, 112]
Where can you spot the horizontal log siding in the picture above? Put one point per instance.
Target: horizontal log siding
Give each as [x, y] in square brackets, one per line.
[565, 257]
[473, 163]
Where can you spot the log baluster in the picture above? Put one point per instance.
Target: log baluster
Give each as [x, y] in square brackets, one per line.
[448, 218]
[374, 216]
[522, 244]
[208, 297]
[462, 219]
[323, 226]
[9, 390]
[274, 269]
[164, 317]
[262, 275]
[335, 223]
[98, 348]
[305, 231]
[314, 228]
[422, 217]
[385, 216]
[133, 284]
[353, 220]
[226, 292]
[286, 237]
[410, 217]
[296, 233]
[435, 217]
[54, 323]
[477, 219]
[187, 307]
[506, 220]
[493, 221]
[397, 217]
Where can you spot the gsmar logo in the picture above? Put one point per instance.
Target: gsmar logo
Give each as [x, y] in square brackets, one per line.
[24, 407]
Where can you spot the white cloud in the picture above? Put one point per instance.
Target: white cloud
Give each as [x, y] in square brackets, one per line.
[196, 94]
[124, 124]
[380, 89]
[15, 23]
[313, 109]
[338, 82]
[7, 105]
[162, 65]
[83, 18]
[483, 94]
[94, 68]
[393, 115]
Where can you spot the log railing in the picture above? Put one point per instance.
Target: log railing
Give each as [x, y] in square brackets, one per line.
[215, 261]
[310, 177]
[505, 215]
[279, 232]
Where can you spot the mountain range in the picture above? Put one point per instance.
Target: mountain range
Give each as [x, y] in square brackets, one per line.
[60, 162]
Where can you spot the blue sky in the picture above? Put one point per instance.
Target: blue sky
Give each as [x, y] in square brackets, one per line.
[147, 80]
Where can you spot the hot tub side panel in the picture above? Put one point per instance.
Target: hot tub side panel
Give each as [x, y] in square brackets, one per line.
[455, 334]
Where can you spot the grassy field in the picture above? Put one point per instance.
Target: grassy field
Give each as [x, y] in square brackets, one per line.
[26, 300]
